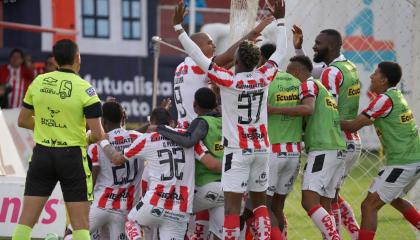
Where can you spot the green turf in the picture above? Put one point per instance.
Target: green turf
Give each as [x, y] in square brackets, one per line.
[391, 225]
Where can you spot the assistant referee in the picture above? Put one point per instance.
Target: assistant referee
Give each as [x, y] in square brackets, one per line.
[57, 107]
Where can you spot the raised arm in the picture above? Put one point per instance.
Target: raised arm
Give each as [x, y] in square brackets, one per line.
[279, 12]
[189, 46]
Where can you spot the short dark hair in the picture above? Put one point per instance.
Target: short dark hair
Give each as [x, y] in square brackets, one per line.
[336, 35]
[249, 54]
[304, 61]
[392, 72]
[64, 52]
[16, 50]
[113, 111]
[160, 116]
[267, 50]
[205, 98]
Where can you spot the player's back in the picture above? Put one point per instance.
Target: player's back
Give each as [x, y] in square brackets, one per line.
[244, 111]
[116, 187]
[188, 79]
[170, 169]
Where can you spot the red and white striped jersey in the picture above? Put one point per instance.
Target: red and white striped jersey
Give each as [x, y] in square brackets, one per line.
[116, 187]
[381, 106]
[188, 79]
[170, 171]
[291, 147]
[244, 105]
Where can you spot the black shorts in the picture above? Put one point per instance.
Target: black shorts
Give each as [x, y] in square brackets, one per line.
[68, 165]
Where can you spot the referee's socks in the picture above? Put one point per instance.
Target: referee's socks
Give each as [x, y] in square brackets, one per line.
[22, 232]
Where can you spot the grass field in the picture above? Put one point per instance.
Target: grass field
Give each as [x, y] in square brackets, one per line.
[391, 225]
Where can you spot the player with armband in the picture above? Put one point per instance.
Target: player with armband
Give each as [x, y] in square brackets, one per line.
[244, 121]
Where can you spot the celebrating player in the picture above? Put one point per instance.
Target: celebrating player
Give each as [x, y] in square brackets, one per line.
[116, 187]
[205, 132]
[244, 122]
[169, 196]
[323, 143]
[340, 77]
[398, 133]
[285, 134]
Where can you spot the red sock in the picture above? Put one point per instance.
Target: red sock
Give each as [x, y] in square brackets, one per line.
[324, 222]
[366, 234]
[335, 209]
[201, 224]
[348, 219]
[231, 229]
[413, 216]
[262, 223]
[276, 233]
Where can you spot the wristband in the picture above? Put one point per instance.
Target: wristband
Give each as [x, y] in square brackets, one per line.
[104, 143]
[178, 27]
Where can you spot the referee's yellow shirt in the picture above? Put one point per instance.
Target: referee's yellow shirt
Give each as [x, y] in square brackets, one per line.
[61, 101]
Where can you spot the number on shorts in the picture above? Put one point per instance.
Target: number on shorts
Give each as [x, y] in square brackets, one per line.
[178, 101]
[173, 162]
[248, 98]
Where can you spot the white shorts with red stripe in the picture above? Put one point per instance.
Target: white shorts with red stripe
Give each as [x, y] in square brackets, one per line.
[106, 220]
[169, 224]
[245, 169]
[323, 171]
[284, 168]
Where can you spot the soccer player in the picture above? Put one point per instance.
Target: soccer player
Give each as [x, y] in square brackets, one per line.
[398, 133]
[189, 77]
[205, 134]
[63, 103]
[116, 188]
[341, 78]
[244, 122]
[323, 144]
[167, 202]
[285, 133]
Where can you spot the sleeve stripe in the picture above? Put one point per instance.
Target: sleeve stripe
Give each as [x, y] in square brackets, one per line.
[380, 106]
[220, 69]
[136, 149]
[386, 107]
[26, 105]
[222, 82]
[338, 81]
[197, 70]
[324, 78]
[95, 154]
[198, 150]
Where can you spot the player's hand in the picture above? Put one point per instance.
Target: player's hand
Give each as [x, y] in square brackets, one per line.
[166, 103]
[256, 32]
[297, 37]
[279, 10]
[180, 13]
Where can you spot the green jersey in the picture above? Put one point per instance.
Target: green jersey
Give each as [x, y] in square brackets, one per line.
[61, 101]
[322, 130]
[212, 144]
[284, 92]
[349, 90]
[396, 127]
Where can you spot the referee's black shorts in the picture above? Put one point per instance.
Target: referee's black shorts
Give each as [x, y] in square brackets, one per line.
[68, 165]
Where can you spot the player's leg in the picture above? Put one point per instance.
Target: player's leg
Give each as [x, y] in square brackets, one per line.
[201, 228]
[235, 174]
[408, 210]
[116, 225]
[257, 185]
[39, 184]
[321, 173]
[173, 230]
[97, 219]
[370, 207]
[276, 164]
[216, 217]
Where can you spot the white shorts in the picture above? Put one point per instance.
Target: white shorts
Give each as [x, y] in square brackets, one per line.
[245, 169]
[322, 172]
[169, 224]
[210, 197]
[395, 181]
[284, 168]
[351, 155]
[106, 220]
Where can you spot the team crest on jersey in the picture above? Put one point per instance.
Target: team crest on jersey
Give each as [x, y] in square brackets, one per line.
[91, 92]
[354, 91]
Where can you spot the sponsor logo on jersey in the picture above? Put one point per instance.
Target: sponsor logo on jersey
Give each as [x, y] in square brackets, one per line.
[49, 81]
[53, 112]
[283, 97]
[212, 196]
[254, 135]
[262, 179]
[330, 103]
[52, 123]
[157, 211]
[54, 142]
[218, 147]
[354, 91]
[64, 91]
[250, 86]
[172, 195]
[91, 92]
[406, 117]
